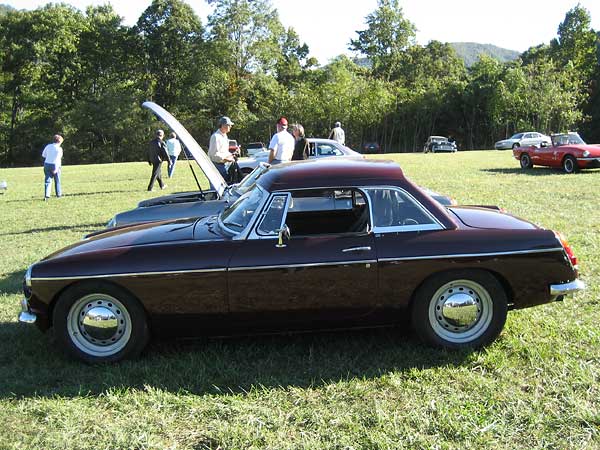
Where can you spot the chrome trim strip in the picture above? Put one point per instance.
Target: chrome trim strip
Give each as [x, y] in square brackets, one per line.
[471, 255]
[356, 249]
[567, 288]
[131, 274]
[292, 266]
[596, 158]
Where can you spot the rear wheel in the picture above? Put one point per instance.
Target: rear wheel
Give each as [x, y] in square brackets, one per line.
[99, 322]
[459, 309]
[569, 164]
[526, 161]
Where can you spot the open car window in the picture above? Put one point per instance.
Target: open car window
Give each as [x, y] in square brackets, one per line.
[312, 212]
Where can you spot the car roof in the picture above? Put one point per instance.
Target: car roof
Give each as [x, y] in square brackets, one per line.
[331, 172]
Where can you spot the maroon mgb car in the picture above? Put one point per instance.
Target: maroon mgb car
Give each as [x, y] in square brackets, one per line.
[568, 151]
[313, 245]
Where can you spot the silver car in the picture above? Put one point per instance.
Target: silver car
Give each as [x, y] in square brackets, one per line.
[317, 148]
[526, 139]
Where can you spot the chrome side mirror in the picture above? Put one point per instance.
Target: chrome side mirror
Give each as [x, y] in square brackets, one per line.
[283, 236]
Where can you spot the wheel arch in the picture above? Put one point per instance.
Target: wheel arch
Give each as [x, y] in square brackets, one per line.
[97, 281]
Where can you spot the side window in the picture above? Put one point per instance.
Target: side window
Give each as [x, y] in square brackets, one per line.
[272, 219]
[327, 211]
[393, 208]
[327, 150]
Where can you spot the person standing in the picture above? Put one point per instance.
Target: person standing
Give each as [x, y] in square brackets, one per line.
[301, 145]
[157, 153]
[173, 150]
[282, 144]
[337, 134]
[52, 155]
[218, 147]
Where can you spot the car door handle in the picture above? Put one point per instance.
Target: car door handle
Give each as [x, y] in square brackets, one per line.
[356, 249]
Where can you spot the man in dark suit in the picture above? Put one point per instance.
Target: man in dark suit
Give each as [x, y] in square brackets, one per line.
[157, 152]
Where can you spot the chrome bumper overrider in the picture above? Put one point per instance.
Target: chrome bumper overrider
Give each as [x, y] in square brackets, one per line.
[560, 290]
[26, 316]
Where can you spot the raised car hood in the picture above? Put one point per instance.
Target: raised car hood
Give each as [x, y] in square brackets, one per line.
[190, 143]
[487, 218]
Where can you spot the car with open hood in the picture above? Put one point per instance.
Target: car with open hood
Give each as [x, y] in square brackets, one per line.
[212, 201]
[341, 243]
[567, 151]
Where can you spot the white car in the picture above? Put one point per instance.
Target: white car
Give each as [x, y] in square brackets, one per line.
[317, 148]
[526, 139]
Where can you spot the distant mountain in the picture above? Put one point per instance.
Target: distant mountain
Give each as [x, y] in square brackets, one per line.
[470, 51]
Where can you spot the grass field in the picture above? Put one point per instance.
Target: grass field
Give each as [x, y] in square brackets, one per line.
[537, 386]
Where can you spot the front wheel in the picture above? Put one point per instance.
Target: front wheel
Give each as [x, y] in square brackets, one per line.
[516, 145]
[569, 164]
[526, 161]
[99, 322]
[460, 309]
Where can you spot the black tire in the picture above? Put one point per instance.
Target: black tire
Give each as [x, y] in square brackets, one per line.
[516, 145]
[124, 331]
[569, 164]
[525, 161]
[459, 309]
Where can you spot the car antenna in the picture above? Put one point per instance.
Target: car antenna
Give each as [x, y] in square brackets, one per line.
[192, 169]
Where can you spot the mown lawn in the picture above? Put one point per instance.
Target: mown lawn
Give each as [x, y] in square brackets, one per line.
[537, 386]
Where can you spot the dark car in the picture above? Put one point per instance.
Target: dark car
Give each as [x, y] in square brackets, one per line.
[436, 144]
[313, 245]
[206, 202]
[371, 147]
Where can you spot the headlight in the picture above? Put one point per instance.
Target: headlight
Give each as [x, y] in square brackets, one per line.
[586, 154]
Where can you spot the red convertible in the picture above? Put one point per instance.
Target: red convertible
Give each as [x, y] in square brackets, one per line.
[568, 151]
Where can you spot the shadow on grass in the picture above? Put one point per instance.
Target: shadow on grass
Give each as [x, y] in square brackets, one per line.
[78, 194]
[80, 228]
[33, 367]
[12, 284]
[536, 171]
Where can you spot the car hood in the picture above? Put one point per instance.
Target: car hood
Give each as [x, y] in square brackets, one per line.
[594, 150]
[209, 169]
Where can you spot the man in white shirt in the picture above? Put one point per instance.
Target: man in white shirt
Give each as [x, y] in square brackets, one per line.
[52, 155]
[337, 134]
[218, 147]
[173, 150]
[282, 144]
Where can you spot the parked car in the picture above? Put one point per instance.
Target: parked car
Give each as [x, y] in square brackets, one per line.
[234, 146]
[567, 150]
[371, 147]
[254, 147]
[317, 148]
[343, 243]
[207, 202]
[439, 144]
[523, 140]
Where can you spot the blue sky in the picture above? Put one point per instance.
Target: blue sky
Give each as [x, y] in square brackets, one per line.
[328, 25]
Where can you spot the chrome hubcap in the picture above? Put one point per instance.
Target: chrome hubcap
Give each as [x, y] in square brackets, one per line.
[99, 325]
[568, 165]
[460, 311]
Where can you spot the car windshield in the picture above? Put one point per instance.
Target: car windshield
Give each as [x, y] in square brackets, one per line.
[250, 180]
[238, 216]
[517, 136]
[567, 139]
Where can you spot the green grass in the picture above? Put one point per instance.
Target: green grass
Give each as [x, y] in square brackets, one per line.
[537, 386]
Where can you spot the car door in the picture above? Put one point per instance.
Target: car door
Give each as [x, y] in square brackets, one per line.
[312, 279]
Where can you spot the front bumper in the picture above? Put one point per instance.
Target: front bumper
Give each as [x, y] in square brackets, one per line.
[589, 163]
[558, 291]
[26, 316]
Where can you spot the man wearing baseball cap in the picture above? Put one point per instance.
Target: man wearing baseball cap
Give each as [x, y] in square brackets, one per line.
[218, 147]
[282, 144]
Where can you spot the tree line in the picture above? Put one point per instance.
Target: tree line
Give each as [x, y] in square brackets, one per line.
[85, 74]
